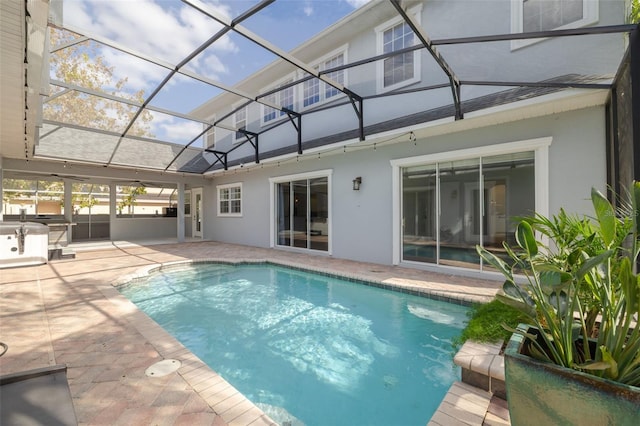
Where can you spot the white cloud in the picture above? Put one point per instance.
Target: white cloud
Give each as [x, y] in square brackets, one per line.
[214, 66]
[179, 132]
[139, 74]
[308, 9]
[164, 30]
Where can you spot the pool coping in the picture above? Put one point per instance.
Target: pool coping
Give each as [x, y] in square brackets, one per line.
[391, 285]
[222, 397]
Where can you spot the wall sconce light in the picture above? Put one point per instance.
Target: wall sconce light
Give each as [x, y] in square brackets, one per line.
[356, 183]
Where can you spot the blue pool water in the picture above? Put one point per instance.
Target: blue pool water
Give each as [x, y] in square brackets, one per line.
[307, 348]
[428, 253]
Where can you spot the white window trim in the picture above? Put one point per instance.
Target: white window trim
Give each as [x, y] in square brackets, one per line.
[344, 49]
[379, 30]
[273, 181]
[540, 146]
[235, 124]
[590, 16]
[288, 78]
[227, 186]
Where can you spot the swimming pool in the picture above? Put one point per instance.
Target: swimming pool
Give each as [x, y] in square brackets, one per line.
[308, 348]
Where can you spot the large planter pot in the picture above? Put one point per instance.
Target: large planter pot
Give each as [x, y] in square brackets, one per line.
[541, 393]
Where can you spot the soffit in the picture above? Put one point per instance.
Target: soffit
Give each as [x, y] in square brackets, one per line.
[12, 39]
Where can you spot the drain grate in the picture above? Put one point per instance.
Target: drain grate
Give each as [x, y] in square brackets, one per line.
[162, 368]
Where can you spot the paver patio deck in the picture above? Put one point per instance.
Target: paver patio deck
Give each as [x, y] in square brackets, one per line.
[68, 312]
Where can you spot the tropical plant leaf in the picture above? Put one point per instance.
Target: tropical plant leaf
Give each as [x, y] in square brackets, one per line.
[538, 354]
[552, 279]
[511, 289]
[608, 364]
[630, 287]
[560, 301]
[606, 216]
[594, 365]
[576, 330]
[526, 238]
[636, 206]
[518, 304]
[493, 260]
[593, 262]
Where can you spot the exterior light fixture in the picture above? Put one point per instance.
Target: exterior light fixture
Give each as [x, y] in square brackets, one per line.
[356, 183]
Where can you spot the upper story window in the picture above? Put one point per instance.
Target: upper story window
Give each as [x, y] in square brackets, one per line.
[545, 15]
[230, 199]
[285, 98]
[316, 91]
[403, 69]
[397, 68]
[209, 137]
[240, 122]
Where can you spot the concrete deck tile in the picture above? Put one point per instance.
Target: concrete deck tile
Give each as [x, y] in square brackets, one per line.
[496, 370]
[465, 404]
[481, 363]
[228, 399]
[492, 420]
[195, 419]
[440, 418]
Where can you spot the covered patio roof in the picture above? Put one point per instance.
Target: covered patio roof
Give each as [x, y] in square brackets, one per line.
[148, 120]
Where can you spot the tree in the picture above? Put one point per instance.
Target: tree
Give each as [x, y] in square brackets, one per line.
[129, 200]
[82, 65]
[634, 12]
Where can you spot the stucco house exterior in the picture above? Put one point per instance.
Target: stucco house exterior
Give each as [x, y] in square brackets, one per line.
[432, 181]
[407, 133]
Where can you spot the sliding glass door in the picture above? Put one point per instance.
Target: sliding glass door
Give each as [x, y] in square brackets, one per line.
[450, 207]
[302, 213]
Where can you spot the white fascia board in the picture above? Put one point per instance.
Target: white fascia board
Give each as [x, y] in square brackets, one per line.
[540, 106]
[566, 100]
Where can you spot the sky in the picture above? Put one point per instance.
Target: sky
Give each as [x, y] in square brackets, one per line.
[169, 30]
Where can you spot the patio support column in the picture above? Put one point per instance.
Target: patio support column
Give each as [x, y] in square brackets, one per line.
[113, 208]
[68, 202]
[1, 191]
[180, 215]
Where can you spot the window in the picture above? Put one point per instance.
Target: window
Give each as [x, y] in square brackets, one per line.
[209, 138]
[544, 15]
[538, 15]
[311, 92]
[397, 68]
[403, 69]
[230, 200]
[315, 90]
[187, 203]
[285, 98]
[451, 202]
[300, 211]
[240, 121]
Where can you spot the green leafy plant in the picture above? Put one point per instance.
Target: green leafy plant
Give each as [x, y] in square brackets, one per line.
[486, 322]
[576, 282]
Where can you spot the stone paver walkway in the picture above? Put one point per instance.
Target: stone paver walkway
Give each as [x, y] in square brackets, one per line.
[68, 312]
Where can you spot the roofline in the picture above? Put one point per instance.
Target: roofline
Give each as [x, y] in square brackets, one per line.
[540, 106]
[305, 45]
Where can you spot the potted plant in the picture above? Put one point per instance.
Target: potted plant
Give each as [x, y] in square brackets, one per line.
[578, 359]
